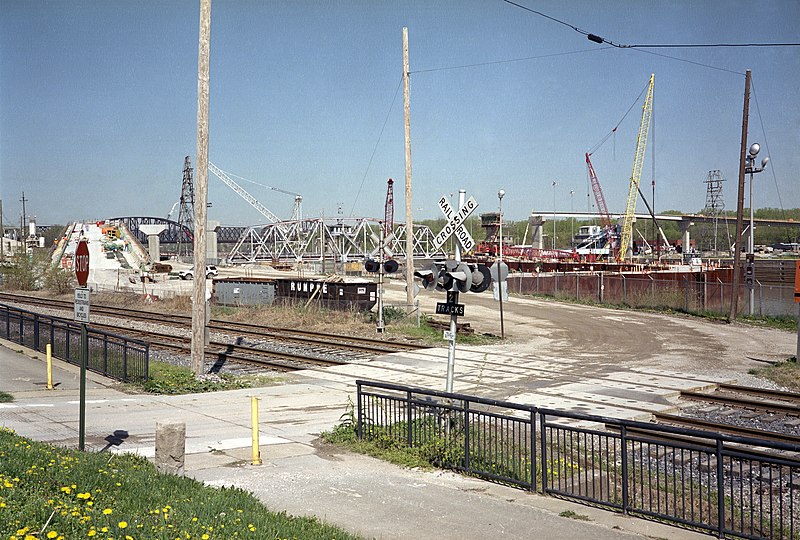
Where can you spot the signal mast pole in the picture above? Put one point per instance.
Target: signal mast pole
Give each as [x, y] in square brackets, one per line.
[409, 206]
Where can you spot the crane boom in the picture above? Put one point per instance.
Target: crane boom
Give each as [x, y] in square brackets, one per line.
[636, 174]
[228, 181]
[605, 217]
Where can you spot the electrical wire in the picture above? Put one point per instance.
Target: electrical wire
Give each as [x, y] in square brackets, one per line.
[375, 148]
[602, 141]
[689, 61]
[599, 39]
[508, 61]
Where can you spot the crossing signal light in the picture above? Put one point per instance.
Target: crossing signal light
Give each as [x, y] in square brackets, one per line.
[481, 278]
[390, 266]
[454, 275]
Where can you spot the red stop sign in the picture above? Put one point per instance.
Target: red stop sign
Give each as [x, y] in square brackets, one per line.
[81, 263]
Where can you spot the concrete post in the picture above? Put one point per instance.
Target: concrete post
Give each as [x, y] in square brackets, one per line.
[170, 447]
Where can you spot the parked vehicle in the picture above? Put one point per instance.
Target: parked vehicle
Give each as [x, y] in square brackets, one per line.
[211, 272]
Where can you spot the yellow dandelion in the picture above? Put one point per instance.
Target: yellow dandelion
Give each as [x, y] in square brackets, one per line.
[122, 524]
[91, 532]
[107, 511]
[52, 534]
[204, 537]
[66, 489]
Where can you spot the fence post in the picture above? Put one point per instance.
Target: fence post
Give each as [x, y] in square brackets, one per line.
[533, 450]
[543, 435]
[409, 435]
[600, 291]
[624, 443]
[721, 294]
[624, 289]
[466, 435]
[720, 491]
[577, 287]
[652, 290]
[359, 432]
[686, 290]
[125, 360]
[35, 331]
[67, 338]
[760, 299]
[105, 353]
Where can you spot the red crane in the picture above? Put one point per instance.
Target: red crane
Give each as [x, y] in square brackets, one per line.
[605, 217]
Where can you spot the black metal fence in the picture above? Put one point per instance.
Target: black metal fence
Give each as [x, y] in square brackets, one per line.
[112, 355]
[723, 484]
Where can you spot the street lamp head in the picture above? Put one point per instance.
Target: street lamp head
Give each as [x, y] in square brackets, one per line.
[501, 193]
[764, 162]
[755, 148]
[555, 183]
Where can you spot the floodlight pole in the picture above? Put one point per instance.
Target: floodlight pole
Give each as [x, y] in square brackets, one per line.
[500, 195]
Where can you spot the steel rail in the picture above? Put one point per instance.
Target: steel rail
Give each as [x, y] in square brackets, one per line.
[771, 406]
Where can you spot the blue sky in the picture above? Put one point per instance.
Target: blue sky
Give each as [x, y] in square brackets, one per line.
[98, 103]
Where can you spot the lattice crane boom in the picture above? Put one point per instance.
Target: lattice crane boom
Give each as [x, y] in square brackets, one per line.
[636, 174]
[228, 181]
[388, 211]
[605, 217]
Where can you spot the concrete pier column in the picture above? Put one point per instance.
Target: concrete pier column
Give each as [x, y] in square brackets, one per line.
[153, 241]
[170, 447]
[537, 237]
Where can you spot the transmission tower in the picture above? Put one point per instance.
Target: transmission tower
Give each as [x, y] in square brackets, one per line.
[715, 205]
[186, 213]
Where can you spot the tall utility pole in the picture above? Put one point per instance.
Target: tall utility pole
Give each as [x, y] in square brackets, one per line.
[199, 298]
[2, 234]
[737, 254]
[409, 224]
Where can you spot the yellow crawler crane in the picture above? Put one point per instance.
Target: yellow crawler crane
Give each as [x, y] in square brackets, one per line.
[636, 175]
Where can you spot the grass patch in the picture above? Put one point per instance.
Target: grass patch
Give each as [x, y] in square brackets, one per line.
[785, 374]
[345, 435]
[573, 515]
[171, 379]
[5, 397]
[50, 492]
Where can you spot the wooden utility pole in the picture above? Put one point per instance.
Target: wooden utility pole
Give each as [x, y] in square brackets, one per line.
[201, 193]
[409, 204]
[737, 254]
[2, 234]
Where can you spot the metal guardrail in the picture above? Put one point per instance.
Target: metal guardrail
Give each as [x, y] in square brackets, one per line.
[723, 484]
[112, 355]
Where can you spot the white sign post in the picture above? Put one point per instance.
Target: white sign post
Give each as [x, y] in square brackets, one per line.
[455, 226]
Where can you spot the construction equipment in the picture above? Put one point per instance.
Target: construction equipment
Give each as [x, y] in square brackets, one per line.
[636, 173]
[605, 217]
[388, 211]
[263, 210]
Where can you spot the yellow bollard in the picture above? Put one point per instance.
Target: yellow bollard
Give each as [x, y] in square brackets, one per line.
[49, 367]
[254, 418]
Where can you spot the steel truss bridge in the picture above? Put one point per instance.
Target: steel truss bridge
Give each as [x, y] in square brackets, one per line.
[341, 240]
[312, 239]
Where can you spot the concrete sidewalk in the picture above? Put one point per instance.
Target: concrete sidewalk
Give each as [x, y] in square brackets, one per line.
[300, 474]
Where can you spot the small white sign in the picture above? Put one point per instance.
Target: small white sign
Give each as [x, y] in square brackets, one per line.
[448, 335]
[82, 305]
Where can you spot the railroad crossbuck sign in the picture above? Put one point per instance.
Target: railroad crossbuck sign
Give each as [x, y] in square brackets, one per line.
[455, 224]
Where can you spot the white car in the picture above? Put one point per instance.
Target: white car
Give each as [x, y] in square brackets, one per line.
[211, 271]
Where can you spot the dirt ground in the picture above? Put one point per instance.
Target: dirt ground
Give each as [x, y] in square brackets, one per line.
[600, 339]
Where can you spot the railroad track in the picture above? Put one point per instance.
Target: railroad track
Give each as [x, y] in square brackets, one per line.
[745, 397]
[268, 346]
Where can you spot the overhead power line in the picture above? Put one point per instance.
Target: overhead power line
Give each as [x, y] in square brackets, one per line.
[599, 39]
